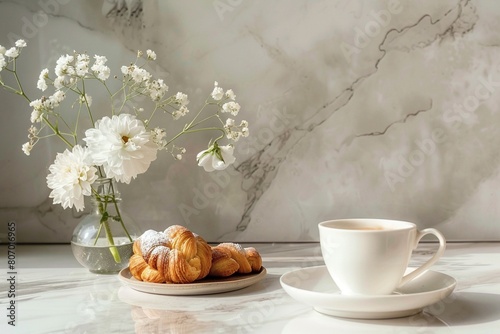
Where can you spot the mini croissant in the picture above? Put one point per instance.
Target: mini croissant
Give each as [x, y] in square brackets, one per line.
[174, 256]
[230, 258]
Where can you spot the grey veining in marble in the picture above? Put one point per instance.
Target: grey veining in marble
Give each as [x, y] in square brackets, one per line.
[356, 108]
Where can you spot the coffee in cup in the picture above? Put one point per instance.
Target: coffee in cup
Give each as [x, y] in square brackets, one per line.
[370, 256]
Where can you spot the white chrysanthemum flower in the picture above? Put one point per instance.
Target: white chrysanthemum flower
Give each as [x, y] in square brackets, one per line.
[151, 54]
[217, 93]
[20, 43]
[13, 52]
[71, 177]
[2, 50]
[216, 157]
[42, 84]
[122, 145]
[231, 107]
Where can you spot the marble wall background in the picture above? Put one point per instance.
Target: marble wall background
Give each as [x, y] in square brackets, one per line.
[382, 109]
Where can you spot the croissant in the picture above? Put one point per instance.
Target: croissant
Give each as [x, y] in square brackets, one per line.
[230, 258]
[174, 256]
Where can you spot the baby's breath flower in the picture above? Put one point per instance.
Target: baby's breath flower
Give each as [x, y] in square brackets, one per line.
[157, 136]
[157, 89]
[42, 84]
[183, 110]
[13, 52]
[36, 116]
[137, 74]
[234, 132]
[20, 43]
[182, 99]
[56, 99]
[27, 147]
[151, 54]
[218, 92]
[100, 70]
[63, 66]
[85, 99]
[230, 94]
[3, 63]
[231, 107]
[177, 152]
[82, 64]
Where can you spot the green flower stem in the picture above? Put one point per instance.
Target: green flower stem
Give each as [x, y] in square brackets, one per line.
[56, 131]
[88, 108]
[109, 236]
[119, 214]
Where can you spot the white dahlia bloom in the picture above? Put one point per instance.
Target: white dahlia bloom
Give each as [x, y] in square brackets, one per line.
[71, 176]
[122, 145]
[216, 157]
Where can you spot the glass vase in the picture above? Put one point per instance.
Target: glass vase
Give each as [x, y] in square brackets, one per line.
[102, 241]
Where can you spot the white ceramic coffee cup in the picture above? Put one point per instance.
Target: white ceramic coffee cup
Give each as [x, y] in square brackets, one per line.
[370, 256]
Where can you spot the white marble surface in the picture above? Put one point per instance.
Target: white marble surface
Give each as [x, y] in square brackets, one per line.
[55, 295]
[384, 109]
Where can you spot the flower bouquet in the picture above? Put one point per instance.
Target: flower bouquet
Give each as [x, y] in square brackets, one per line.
[121, 145]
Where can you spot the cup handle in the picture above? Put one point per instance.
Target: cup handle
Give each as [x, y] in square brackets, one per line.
[432, 260]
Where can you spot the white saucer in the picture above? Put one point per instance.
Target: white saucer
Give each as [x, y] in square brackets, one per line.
[315, 287]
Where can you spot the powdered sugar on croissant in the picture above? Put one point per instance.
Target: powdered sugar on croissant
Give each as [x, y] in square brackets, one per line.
[174, 256]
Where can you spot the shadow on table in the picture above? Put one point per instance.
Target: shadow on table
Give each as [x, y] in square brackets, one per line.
[467, 308]
[459, 309]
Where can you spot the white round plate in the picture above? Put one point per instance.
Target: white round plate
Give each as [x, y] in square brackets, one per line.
[314, 286]
[202, 287]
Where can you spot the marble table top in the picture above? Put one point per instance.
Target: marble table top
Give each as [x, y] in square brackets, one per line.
[54, 294]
